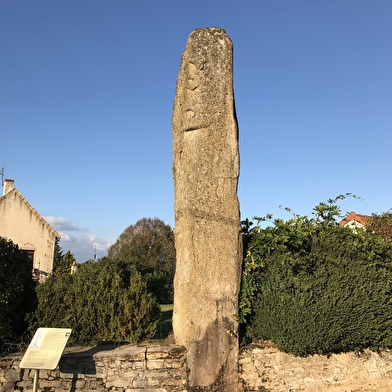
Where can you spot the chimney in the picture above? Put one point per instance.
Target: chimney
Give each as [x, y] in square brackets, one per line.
[8, 186]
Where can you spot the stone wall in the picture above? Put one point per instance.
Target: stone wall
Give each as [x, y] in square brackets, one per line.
[163, 369]
[123, 369]
[267, 369]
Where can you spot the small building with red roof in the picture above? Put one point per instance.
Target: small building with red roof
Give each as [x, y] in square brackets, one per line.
[354, 220]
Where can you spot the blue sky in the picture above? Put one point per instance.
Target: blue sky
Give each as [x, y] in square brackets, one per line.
[87, 90]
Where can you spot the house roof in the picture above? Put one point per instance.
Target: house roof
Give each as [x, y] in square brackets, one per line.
[33, 210]
[352, 216]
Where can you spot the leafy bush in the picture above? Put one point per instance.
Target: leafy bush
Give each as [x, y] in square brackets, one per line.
[103, 301]
[381, 224]
[312, 286]
[17, 291]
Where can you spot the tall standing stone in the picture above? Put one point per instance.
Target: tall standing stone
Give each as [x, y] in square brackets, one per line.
[207, 217]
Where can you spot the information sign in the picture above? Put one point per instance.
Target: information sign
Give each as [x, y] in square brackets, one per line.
[45, 349]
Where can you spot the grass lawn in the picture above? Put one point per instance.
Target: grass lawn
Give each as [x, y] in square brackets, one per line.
[165, 324]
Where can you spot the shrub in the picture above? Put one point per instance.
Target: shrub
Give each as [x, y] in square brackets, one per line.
[314, 287]
[103, 301]
[17, 291]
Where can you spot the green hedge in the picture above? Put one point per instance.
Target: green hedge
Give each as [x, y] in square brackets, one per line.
[318, 288]
[103, 301]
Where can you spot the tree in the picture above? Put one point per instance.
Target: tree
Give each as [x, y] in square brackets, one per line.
[149, 246]
[57, 254]
[63, 266]
[17, 291]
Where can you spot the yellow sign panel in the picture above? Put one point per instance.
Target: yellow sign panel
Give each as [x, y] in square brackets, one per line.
[46, 348]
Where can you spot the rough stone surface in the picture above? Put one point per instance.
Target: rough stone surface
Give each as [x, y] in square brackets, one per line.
[267, 369]
[207, 218]
[126, 368]
[163, 369]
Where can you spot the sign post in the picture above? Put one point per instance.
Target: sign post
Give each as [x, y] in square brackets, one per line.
[36, 377]
[45, 350]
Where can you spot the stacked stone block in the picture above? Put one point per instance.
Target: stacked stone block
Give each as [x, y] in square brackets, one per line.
[124, 369]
